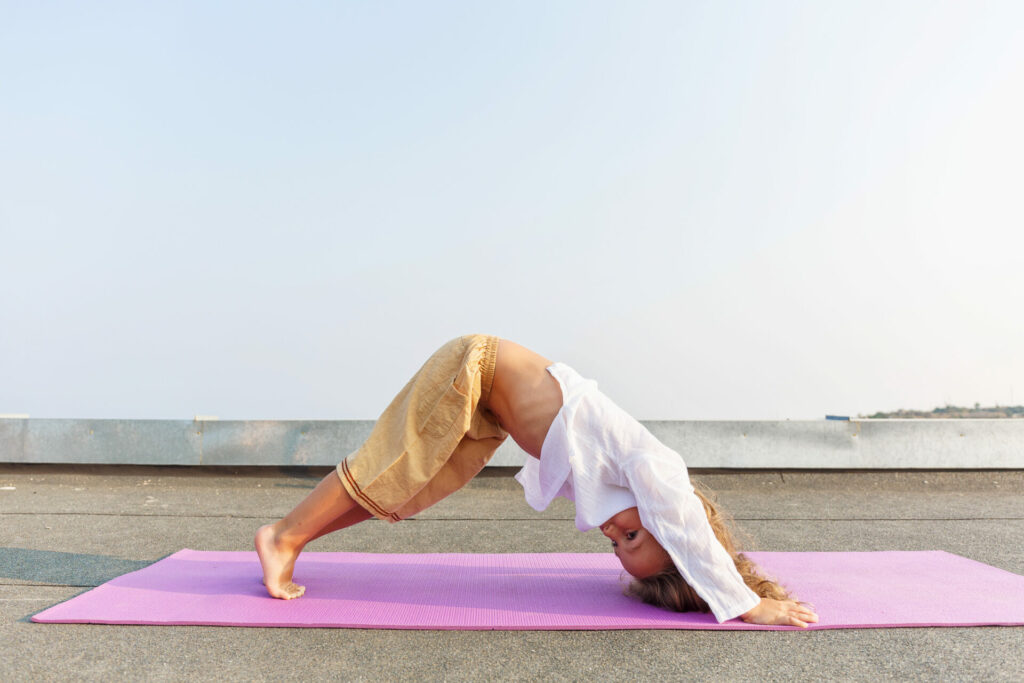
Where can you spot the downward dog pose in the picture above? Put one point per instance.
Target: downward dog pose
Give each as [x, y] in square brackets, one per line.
[446, 423]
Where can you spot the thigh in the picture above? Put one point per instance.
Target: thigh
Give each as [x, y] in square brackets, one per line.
[420, 432]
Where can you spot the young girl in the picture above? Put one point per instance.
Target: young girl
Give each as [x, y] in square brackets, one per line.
[446, 423]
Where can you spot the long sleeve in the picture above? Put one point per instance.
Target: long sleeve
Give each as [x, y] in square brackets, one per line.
[671, 511]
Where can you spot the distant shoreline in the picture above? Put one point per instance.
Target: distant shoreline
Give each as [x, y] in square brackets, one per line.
[948, 412]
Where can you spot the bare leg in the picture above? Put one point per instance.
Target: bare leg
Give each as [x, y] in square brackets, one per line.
[353, 516]
[327, 507]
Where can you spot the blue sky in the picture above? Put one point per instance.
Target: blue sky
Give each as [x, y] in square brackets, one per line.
[741, 210]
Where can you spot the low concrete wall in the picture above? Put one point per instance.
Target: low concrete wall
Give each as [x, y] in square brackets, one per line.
[811, 444]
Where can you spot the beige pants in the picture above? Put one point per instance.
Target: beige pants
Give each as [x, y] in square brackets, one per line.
[434, 436]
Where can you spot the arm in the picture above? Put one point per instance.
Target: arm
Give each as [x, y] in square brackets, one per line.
[671, 511]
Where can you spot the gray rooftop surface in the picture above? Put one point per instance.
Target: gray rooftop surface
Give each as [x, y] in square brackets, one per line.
[64, 529]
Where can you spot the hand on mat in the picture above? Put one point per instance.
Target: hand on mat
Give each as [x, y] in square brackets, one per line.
[780, 613]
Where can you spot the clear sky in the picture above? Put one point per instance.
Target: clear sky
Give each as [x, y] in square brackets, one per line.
[719, 210]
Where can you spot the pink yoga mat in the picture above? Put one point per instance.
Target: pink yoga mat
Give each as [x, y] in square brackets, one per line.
[534, 592]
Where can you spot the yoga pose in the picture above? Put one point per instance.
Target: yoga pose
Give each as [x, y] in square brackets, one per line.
[446, 423]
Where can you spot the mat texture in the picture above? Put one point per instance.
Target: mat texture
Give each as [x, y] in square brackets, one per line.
[534, 592]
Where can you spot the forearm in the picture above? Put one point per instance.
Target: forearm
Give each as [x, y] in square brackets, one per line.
[671, 511]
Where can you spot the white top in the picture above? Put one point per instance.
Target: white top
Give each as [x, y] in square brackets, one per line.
[598, 456]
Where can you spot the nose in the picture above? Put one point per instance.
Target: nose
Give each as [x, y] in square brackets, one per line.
[607, 528]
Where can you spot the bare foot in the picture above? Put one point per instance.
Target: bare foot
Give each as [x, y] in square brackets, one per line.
[278, 564]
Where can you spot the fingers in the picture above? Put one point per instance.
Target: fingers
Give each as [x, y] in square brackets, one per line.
[807, 615]
[781, 613]
[800, 616]
[801, 612]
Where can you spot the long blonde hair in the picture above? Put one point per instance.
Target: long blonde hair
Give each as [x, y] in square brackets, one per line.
[670, 590]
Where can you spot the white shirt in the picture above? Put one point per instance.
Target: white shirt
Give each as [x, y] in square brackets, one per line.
[605, 461]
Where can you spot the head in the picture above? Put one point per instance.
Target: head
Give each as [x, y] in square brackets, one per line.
[666, 587]
[639, 552]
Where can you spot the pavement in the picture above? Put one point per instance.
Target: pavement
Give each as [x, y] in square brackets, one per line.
[64, 529]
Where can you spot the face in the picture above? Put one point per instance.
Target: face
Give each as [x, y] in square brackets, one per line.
[638, 551]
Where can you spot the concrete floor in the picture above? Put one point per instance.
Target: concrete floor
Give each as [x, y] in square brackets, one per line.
[64, 529]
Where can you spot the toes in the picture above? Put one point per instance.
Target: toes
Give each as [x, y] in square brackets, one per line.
[292, 591]
[285, 593]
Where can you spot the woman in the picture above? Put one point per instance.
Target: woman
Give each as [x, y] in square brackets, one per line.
[448, 420]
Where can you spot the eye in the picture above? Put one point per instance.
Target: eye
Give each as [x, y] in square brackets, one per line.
[630, 535]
